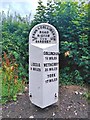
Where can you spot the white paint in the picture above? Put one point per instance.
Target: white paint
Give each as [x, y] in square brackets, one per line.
[43, 52]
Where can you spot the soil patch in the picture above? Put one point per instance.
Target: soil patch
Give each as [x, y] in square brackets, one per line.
[71, 104]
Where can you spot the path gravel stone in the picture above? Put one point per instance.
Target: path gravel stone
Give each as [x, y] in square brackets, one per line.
[71, 104]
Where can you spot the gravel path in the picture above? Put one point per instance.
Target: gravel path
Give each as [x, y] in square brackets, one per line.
[71, 104]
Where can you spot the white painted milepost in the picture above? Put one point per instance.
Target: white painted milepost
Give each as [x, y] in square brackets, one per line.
[43, 65]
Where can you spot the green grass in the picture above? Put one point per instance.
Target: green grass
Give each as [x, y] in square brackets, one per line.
[11, 94]
[87, 96]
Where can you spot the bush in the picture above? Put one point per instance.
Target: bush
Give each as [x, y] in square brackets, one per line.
[15, 37]
[70, 78]
[71, 20]
[76, 56]
[87, 96]
[11, 85]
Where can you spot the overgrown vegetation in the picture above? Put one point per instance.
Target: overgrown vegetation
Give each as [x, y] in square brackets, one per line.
[87, 96]
[72, 22]
[11, 85]
[15, 31]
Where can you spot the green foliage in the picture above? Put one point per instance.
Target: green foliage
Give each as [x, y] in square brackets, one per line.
[10, 83]
[71, 20]
[87, 96]
[15, 32]
[70, 78]
[77, 60]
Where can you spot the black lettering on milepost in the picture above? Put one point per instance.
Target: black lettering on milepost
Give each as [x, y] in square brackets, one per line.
[50, 64]
[44, 33]
[36, 66]
[36, 69]
[50, 80]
